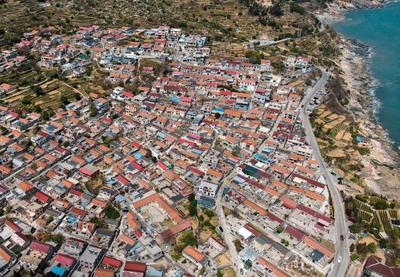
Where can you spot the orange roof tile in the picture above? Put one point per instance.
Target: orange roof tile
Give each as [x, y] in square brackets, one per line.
[312, 243]
[132, 222]
[254, 206]
[194, 253]
[102, 272]
[272, 191]
[157, 198]
[233, 112]
[277, 272]
[25, 186]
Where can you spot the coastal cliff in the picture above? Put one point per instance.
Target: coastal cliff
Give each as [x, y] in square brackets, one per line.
[357, 4]
[376, 170]
[334, 9]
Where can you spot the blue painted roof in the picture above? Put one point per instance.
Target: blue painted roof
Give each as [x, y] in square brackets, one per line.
[59, 271]
[175, 99]
[218, 109]
[154, 272]
[120, 198]
[138, 155]
[260, 157]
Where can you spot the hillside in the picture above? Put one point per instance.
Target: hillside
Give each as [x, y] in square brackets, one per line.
[233, 21]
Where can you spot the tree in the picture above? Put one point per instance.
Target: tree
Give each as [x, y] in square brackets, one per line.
[238, 244]
[209, 213]
[279, 229]
[355, 228]
[189, 239]
[92, 109]
[371, 247]
[296, 8]
[45, 115]
[382, 243]
[254, 56]
[248, 264]
[111, 212]
[48, 236]
[276, 10]
[37, 90]
[26, 101]
[49, 219]
[380, 204]
[77, 96]
[64, 100]
[37, 109]
[98, 221]
[352, 247]
[192, 206]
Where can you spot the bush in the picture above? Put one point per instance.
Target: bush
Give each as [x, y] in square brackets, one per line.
[254, 56]
[189, 239]
[380, 204]
[26, 101]
[100, 223]
[238, 244]
[355, 228]
[296, 8]
[276, 10]
[37, 90]
[192, 206]
[111, 212]
[93, 110]
[364, 150]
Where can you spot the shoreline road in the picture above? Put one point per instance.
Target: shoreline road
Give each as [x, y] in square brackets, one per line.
[342, 255]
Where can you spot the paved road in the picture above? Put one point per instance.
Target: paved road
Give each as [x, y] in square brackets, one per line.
[342, 255]
[226, 232]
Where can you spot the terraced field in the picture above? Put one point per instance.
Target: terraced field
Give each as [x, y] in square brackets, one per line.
[52, 92]
[387, 226]
[221, 20]
[393, 214]
[364, 211]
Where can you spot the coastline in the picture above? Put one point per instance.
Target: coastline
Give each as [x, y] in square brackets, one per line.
[381, 168]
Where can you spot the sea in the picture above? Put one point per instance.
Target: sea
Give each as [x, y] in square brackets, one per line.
[380, 30]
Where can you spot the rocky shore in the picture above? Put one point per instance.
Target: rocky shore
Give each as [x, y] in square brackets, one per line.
[381, 168]
[335, 9]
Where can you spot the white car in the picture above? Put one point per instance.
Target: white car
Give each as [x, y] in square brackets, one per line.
[339, 260]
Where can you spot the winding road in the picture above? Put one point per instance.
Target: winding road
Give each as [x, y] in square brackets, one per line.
[342, 254]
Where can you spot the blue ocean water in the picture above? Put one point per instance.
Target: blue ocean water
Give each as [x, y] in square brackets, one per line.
[380, 29]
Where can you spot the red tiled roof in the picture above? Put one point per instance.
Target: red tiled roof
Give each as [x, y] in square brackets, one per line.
[314, 213]
[375, 264]
[309, 180]
[107, 260]
[135, 266]
[136, 165]
[12, 225]
[288, 202]
[64, 259]
[42, 197]
[78, 211]
[299, 235]
[40, 246]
